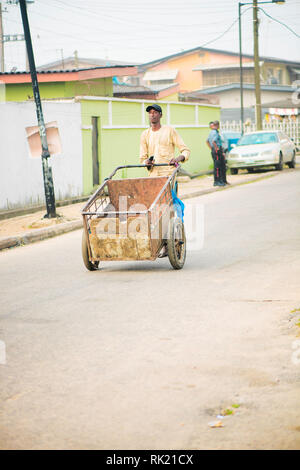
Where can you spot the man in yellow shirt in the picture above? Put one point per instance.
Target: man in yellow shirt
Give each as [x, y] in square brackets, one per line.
[159, 141]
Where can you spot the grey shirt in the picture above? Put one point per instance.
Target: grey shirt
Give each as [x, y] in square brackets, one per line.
[214, 136]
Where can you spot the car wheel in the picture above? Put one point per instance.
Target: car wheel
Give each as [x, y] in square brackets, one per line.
[234, 171]
[292, 163]
[279, 165]
[250, 170]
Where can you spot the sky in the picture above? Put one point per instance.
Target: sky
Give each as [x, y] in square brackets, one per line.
[139, 31]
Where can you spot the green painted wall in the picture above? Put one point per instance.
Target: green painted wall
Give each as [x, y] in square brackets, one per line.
[121, 127]
[96, 87]
[126, 115]
[120, 147]
[50, 90]
[200, 157]
[23, 91]
[94, 108]
[180, 114]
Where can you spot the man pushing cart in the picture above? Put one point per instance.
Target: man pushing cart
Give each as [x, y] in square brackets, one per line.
[139, 218]
[157, 145]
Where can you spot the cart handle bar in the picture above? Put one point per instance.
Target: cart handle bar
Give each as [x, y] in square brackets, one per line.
[94, 196]
[136, 166]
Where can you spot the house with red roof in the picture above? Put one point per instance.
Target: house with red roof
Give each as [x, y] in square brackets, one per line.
[53, 84]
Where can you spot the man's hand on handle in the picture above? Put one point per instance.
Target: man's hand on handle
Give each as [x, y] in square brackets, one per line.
[149, 163]
[174, 161]
[177, 160]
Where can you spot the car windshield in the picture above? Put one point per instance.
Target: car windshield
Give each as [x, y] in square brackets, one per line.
[231, 135]
[259, 138]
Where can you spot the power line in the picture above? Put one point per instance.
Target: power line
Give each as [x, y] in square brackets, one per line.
[107, 45]
[137, 7]
[280, 22]
[112, 41]
[226, 31]
[89, 13]
[120, 34]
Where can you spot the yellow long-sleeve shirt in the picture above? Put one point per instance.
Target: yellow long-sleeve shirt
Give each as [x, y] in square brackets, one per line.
[161, 144]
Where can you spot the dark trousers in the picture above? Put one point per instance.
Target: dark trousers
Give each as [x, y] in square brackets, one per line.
[219, 166]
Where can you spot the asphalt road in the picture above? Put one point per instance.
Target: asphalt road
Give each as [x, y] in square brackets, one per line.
[139, 356]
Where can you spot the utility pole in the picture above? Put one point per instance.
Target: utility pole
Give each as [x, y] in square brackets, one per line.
[47, 170]
[76, 59]
[241, 71]
[256, 68]
[255, 6]
[1, 41]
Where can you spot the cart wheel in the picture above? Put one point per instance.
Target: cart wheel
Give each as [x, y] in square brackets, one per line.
[176, 243]
[85, 255]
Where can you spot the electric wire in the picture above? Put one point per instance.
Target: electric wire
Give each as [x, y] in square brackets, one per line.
[107, 45]
[280, 22]
[111, 42]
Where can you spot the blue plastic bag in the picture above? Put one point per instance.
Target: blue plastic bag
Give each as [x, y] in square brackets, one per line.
[178, 204]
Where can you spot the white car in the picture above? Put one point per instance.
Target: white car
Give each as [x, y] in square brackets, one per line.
[261, 149]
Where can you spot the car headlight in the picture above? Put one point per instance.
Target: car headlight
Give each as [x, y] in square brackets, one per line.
[233, 155]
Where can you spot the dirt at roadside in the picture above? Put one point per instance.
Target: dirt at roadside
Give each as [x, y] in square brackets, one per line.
[29, 222]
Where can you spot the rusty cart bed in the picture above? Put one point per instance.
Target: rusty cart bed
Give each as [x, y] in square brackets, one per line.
[132, 219]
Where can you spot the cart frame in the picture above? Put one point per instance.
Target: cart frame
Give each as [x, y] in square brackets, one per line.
[97, 207]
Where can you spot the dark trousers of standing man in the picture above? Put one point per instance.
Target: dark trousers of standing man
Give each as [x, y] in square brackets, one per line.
[219, 166]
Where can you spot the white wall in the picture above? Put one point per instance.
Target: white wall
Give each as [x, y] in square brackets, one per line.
[21, 177]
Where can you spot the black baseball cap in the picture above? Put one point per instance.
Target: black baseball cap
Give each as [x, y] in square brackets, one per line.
[154, 106]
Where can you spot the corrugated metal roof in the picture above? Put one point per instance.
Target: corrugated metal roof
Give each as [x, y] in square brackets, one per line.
[288, 102]
[18, 72]
[142, 89]
[70, 62]
[218, 51]
[246, 86]
[131, 89]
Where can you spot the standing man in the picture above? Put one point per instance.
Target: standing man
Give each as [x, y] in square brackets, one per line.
[214, 142]
[157, 145]
[159, 141]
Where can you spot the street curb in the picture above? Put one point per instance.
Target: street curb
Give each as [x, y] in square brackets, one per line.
[49, 232]
[39, 234]
[222, 188]
[9, 214]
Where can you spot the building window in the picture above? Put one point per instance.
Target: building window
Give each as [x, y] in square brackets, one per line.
[226, 76]
[280, 76]
[271, 78]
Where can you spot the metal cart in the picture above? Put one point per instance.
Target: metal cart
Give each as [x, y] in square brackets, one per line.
[133, 219]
